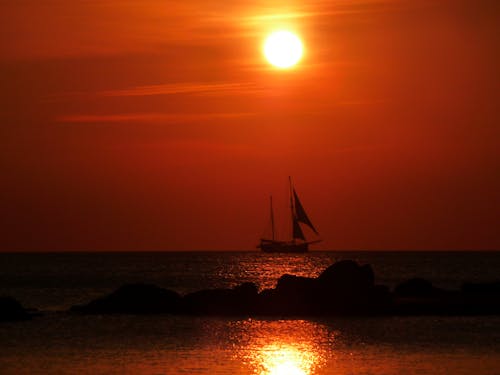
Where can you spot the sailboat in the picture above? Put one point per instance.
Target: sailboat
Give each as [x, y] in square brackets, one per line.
[298, 242]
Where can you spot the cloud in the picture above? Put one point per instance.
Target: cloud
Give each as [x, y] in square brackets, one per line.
[149, 117]
[60, 28]
[183, 88]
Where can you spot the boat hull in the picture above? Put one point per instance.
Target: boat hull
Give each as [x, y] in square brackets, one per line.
[283, 247]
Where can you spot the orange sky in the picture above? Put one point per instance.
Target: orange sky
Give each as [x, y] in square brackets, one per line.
[157, 125]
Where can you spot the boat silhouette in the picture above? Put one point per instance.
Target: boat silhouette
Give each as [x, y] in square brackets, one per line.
[298, 243]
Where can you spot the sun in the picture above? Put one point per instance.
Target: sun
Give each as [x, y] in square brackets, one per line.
[283, 49]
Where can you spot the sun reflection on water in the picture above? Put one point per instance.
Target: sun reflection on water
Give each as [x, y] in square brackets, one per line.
[284, 347]
[286, 360]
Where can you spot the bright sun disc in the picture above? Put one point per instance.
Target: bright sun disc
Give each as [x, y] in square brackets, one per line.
[283, 49]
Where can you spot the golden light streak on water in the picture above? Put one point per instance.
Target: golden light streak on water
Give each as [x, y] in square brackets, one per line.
[286, 360]
[284, 347]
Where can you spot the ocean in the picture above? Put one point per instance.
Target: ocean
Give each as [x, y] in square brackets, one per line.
[62, 343]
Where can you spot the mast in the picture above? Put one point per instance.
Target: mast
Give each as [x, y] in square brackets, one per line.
[272, 216]
[292, 211]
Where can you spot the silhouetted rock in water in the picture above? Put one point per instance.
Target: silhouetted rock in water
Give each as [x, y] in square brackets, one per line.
[293, 295]
[485, 289]
[344, 288]
[291, 284]
[240, 300]
[12, 310]
[419, 297]
[348, 288]
[134, 299]
[447, 303]
[347, 276]
[416, 287]
[482, 298]
[381, 299]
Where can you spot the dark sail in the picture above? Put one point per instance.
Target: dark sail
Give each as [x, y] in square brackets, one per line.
[301, 213]
[297, 230]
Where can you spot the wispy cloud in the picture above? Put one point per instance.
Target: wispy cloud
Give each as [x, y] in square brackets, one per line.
[183, 88]
[115, 27]
[149, 117]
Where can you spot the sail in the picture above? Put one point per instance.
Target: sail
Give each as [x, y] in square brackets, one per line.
[297, 230]
[300, 213]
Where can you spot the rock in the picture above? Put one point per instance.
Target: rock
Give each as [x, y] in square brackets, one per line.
[343, 288]
[379, 301]
[349, 289]
[296, 285]
[419, 297]
[491, 289]
[240, 300]
[416, 287]
[367, 275]
[209, 301]
[293, 295]
[347, 277]
[247, 290]
[134, 299]
[12, 310]
[268, 303]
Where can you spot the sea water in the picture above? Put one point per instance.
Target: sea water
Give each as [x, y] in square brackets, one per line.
[62, 343]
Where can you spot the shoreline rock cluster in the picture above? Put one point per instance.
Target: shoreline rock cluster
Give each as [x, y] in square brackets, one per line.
[345, 288]
[11, 310]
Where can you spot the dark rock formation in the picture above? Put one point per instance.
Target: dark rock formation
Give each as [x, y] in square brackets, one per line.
[293, 295]
[12, 310]
[344, 288]
[419, 297]
[240, 300]
[489, 289]
[416, 287]
[293, 285]
[347, 275]
[134, 299]
[348, 288]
